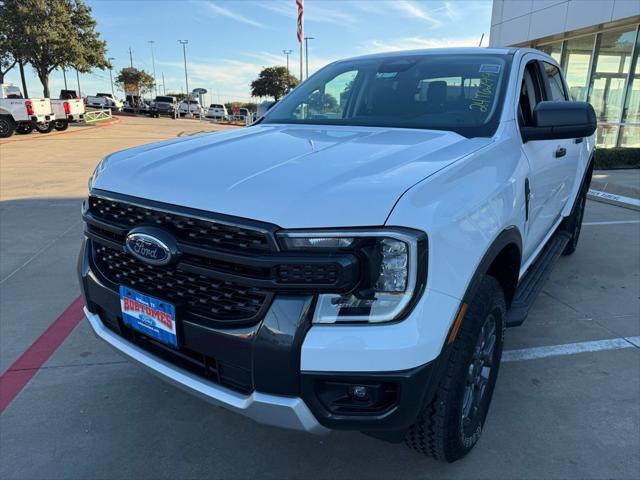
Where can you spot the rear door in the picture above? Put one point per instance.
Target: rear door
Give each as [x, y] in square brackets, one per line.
[549, 173]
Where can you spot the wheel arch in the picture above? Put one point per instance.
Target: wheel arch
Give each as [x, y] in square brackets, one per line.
[502, 261]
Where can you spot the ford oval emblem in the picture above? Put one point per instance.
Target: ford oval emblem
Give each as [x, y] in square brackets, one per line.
[152, 245]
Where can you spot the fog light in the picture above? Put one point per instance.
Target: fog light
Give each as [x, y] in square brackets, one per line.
[359, 392]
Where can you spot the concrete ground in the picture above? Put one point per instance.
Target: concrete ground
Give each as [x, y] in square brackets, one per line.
[88, 414]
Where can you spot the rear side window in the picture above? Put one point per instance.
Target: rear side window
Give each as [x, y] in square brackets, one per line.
[554, 79]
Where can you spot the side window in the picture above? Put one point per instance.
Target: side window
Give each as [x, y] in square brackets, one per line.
[329, 100]
[554, 79]
[530, 94]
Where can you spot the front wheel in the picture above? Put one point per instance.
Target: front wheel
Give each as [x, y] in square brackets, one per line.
[45, 127]
[7, 126]
[450, 424]
[61, 125]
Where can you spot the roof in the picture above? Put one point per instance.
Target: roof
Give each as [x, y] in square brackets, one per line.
[440, 51]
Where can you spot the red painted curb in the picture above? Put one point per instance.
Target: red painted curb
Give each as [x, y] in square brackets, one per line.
[16, 377]
[28, 137]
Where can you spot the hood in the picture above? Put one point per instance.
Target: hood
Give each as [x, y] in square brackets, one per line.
[290, 175]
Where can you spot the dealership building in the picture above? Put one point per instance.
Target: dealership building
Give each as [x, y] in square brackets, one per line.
[597, 43]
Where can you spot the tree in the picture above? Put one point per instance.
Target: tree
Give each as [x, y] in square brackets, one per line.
[133, 81]
[56, 33]
[7, 58]
[323, 102]
[273, 82]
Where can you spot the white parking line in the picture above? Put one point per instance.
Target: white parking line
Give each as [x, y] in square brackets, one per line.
[617, 222]
[570, 349]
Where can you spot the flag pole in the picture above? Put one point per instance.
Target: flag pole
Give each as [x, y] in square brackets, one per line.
[300, 39]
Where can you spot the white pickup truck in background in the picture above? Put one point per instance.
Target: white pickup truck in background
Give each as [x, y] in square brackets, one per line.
[21, 115]
[104, 100]
[65, 112]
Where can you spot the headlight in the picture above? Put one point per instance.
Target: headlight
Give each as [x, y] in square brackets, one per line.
[392, 274]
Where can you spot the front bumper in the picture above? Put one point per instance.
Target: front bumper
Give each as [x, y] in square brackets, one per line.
[281, 411]
[281, 370]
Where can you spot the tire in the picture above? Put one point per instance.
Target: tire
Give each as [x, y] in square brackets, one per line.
[450, 424]
[24, 128]
[44, 127]
[7, 126]
[61, 125]
[573, 223]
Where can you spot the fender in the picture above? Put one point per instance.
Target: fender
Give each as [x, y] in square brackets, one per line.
[510, 235]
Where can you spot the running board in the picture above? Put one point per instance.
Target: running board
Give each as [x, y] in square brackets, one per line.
[535, 278]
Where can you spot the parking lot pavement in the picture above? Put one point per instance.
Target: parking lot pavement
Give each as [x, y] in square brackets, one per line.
[58, 164]
[90, 414]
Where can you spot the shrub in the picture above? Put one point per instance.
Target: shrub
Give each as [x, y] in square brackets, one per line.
[617, 158]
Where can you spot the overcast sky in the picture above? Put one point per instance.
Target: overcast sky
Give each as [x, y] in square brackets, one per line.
[231, 40]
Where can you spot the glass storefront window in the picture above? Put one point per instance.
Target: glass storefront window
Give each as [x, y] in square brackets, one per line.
[630, 136]
[554, 50]
[630, 132]
[606, 136]
[577, 58]
[611, 67]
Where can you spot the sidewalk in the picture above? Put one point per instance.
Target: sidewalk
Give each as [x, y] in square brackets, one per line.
[618, 187]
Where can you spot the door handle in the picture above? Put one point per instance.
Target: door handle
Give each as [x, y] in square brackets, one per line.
[560, 152]
[578, 140]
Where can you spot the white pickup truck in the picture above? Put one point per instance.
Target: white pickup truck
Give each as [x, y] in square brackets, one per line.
[351, 261]
[65, 112]
[18, 114]
[104, 100]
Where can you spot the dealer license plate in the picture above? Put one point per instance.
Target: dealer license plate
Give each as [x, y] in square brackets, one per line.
[148, 315]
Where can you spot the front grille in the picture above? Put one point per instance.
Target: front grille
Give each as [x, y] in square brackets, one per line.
[195, 296]
[187, 229]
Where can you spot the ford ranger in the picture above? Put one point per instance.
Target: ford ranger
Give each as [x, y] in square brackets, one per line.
[351, 261]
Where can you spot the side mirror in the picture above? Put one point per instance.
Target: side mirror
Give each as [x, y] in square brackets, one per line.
[559, 120]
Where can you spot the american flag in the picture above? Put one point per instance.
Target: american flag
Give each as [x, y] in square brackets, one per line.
[300, 4]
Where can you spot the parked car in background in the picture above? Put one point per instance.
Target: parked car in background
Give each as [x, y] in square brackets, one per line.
[65, 112]
[217, 111]
[191, 106]
[19, 114]
[104, 100]
[164, 105]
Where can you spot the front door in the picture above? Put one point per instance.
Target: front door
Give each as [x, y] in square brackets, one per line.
[550, 173]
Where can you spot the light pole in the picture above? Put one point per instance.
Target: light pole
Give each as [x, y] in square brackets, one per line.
[186, 78]
[306, 51]
[287, 53]
[164, 89]
[130, 57]
[153, 62]
[113, 94]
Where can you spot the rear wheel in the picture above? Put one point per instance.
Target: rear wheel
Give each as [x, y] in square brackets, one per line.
[45, 127]
[61, 125]
[7, 126]
[24, 128]
[450, 424]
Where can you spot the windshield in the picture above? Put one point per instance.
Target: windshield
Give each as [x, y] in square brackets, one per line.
[460, 93]
[164, 99]
[213, 105]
